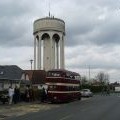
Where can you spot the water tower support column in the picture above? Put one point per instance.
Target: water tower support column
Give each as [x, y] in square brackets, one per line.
[39, 53]
[61, 52]
[34, 52]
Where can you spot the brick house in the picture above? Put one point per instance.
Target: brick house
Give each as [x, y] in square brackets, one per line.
[37, 78]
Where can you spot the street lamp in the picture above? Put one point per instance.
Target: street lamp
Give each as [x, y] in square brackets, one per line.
[31, 61]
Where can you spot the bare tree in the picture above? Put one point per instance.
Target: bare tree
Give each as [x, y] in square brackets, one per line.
[84, 80]
[102, 77]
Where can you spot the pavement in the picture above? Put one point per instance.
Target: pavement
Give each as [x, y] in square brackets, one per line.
[23, 108]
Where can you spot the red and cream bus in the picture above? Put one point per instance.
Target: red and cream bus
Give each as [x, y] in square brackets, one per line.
[63, 85]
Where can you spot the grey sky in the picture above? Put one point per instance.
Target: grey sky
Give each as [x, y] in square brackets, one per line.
[92, 33]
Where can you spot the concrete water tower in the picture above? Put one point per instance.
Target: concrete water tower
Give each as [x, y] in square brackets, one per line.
[49, 36]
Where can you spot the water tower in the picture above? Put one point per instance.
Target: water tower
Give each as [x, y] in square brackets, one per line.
[49, 36]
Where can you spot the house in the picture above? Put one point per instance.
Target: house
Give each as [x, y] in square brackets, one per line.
[37, 78]
[10, 75]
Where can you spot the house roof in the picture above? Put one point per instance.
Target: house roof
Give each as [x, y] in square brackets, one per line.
[36, 76]
[11, 72]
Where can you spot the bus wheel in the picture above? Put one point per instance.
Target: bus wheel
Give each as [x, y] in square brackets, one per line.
[79, 98]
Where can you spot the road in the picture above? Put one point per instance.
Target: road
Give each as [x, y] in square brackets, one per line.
[95, 108]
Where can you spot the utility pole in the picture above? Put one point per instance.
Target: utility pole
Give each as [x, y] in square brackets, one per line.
[31, 61]
[89, 72]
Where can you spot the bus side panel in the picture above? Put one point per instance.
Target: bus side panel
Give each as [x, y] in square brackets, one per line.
[63, 97]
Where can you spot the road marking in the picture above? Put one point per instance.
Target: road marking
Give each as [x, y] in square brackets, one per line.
[65, 118]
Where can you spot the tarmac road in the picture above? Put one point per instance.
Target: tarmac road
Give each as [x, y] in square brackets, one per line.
[95, 108]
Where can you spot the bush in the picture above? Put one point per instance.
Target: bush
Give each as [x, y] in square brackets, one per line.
[93, 88]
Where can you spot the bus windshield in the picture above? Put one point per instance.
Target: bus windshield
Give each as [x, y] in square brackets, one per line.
[67, 74]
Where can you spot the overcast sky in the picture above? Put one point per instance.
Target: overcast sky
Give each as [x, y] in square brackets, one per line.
[92, 33]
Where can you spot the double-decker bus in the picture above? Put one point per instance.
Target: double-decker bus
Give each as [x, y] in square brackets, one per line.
[63, 85]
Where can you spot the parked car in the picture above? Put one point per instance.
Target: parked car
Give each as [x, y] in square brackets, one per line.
[86, 93]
